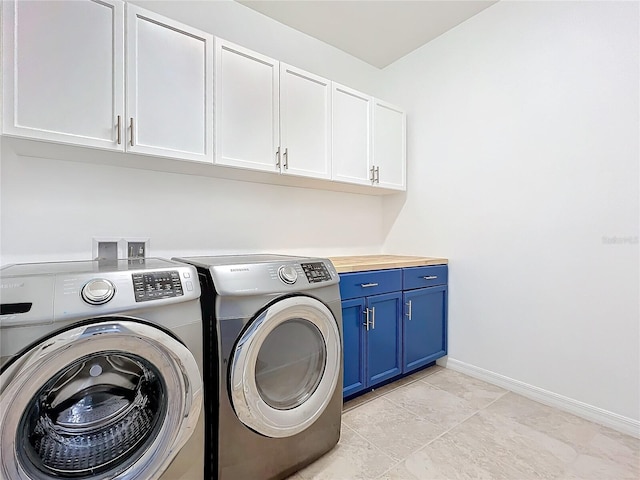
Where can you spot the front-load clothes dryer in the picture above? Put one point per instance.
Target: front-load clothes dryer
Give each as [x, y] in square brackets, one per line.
[276, 334]
[101, 371]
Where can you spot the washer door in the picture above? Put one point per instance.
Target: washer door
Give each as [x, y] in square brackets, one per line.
[286, 366]
[114, 399]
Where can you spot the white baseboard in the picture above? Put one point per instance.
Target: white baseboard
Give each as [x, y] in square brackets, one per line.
[620, 423]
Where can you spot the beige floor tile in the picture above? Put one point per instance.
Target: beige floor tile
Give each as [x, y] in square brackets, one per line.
[587, 467]
[394, 385]
[445, 459]
[356, 402]
[400, 472]
[617, 448]
[433, 404]
[477, 393]
[353, 458]
[590, 440]
[376, 392]
[395, 430]
[442, 425]
[508, 449]
[561, 425]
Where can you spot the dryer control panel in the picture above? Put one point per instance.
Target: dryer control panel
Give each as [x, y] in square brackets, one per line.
[234, 275]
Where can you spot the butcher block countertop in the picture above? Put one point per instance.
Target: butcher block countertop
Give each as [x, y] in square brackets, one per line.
[362, 263]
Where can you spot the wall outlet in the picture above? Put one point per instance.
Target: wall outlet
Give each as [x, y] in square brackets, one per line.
[106, 248]
[136, 247]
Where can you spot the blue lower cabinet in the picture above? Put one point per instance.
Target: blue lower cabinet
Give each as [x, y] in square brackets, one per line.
[394, 322]
[372, 328]
[424, 327]
[372, 338]
[353, 337]
[384, 337]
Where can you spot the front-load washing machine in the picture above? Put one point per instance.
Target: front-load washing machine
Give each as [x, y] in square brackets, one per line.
[101, 371]
[276, 337]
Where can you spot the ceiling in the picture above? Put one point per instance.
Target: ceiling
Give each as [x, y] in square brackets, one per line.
[379, 31]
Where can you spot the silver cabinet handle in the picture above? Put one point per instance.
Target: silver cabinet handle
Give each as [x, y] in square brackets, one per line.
[377, 176]
[408, 304]
[119, 131]
[278, 157]
[131, 126]
[430, 277]
[366, 314]
[372, 175]
[367, 285]
[285, 157]
[373, 318]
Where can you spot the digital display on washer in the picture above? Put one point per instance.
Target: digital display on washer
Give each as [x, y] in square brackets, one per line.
[316, 272]
[155, 285]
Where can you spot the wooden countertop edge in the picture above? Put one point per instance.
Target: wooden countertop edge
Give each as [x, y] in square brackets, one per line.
[360, 264]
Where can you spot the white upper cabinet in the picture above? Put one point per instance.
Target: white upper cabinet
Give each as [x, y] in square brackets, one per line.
[247, 108]
[111, 75]
[64, 78]
[169, 88]
[305, 123]
[389, 146]
[351, 135]
[63, 75]
[270, 116]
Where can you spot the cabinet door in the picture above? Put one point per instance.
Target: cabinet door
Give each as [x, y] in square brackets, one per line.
[425, 326]
[351, 135]
[63, 71]
[389, 145]
[384, 337]
[305, 123]
[353, 333]
[169, 88]
[247, 108]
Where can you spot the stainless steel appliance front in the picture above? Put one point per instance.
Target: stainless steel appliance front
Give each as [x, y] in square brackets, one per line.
[100, 390]
[277, 336]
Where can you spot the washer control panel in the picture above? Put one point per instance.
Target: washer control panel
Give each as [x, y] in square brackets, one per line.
[155, 285]
[316, 272]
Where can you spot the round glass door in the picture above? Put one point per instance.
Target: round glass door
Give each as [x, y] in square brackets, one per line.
[111, 400]
[290, 364]
[92, 415]
[286, 366]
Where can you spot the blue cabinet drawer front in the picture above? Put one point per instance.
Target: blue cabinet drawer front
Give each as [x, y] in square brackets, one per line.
[363, 284]
[418, 277]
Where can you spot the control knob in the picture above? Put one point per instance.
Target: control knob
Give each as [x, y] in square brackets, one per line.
[98, 291]
[288, 274]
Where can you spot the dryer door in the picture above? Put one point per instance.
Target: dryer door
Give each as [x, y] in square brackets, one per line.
[286, 366]
[112, 399]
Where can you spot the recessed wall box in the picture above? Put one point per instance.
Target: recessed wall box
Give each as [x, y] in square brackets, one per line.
[136, 247]
[106, 248]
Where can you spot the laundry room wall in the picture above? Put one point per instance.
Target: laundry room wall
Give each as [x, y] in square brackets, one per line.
[52, 208]
[523, 170]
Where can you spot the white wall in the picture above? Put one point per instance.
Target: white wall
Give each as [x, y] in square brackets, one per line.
[522, 165]
[51, 209]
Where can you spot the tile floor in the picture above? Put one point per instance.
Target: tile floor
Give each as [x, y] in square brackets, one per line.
[441, 424]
